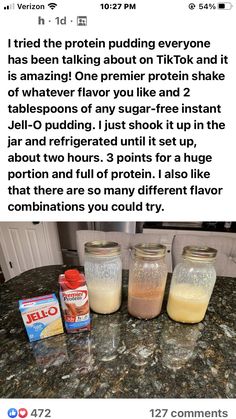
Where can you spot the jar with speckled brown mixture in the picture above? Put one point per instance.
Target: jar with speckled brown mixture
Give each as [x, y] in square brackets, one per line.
[147, 280]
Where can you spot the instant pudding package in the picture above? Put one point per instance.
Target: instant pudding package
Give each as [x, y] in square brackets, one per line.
[41, 316]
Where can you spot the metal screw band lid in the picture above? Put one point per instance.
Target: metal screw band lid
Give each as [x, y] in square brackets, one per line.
[201, 253]
[149, 250]
[102, 248]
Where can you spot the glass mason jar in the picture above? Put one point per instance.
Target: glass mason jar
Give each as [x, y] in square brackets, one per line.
[147, 280]
[192, 284]
[103, 272]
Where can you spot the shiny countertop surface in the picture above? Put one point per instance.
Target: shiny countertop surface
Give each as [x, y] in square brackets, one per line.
[122, 357]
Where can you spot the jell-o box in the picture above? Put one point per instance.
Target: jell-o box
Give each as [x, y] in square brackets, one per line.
[41, 316]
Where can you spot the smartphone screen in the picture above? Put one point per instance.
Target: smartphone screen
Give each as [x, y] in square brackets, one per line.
[117, 118]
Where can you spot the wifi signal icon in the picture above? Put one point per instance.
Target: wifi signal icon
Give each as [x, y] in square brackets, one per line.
[52, 5]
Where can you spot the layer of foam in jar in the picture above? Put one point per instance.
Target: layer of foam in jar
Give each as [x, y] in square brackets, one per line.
[187, 303]
[104, 299]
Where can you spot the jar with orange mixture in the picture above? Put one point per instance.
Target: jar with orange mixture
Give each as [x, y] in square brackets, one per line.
[147, 280]
[192, 284]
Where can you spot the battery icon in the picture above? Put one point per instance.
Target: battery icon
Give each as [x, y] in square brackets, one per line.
[226, 5]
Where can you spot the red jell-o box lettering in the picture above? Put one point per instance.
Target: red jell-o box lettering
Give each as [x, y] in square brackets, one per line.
[52, 311]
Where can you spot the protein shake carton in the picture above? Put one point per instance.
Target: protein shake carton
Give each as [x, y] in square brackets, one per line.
[74, 301]
[41, 316]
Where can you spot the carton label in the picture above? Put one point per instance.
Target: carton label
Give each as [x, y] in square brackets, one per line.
[75, 307]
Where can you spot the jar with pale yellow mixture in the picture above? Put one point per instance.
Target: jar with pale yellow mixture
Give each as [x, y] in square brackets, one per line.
[192, 284]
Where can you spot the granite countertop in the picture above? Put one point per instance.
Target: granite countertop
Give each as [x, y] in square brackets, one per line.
[121, 357]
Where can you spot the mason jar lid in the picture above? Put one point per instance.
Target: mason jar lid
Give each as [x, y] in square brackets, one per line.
[102, 248]
[149, 250]
[201, 253]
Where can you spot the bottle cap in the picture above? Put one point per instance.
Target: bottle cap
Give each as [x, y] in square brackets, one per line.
[73, 278]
